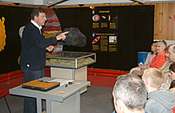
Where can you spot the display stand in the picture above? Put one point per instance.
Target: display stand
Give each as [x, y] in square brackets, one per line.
[70, 65]
[63, 99]
[74, 74]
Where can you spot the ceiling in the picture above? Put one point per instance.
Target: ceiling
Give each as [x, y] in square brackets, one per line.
[57, 3]
[74, 2]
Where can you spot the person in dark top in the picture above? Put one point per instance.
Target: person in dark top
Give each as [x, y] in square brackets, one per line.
[33, 52]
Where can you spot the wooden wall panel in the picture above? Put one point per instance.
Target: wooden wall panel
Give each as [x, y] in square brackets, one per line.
[164, 21]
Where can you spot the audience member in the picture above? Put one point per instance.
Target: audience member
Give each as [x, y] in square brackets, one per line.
[138, 71]
[159, 101]
[170, 54]
[172, 76]
[165, 67]
[129, 95]
[157, 59]
[160, 58]
[152, 53]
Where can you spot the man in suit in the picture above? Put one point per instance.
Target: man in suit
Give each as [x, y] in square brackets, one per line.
[33, 52]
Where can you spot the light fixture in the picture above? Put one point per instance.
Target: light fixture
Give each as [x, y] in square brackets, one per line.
[91, 7]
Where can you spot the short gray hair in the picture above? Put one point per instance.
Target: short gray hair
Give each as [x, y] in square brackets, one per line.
[131, 91]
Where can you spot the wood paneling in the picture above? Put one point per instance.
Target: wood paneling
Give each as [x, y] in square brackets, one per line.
[164, 21]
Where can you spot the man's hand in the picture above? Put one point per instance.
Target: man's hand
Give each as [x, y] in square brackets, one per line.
[50, 48]
[62, 36]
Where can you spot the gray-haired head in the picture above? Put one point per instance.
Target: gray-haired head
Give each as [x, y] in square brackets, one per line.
[131, 91]
[170, 52]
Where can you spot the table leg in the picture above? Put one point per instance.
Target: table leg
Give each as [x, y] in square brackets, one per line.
[39, 106]
[48, 106]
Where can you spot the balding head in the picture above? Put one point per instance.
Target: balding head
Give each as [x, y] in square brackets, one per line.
[153, 78]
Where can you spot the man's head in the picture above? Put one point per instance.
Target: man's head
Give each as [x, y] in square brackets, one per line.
[171, 52]
[160, 46]
[153, 47]
[153, 78]
[129, 94]
[172, 71]
[39, 16]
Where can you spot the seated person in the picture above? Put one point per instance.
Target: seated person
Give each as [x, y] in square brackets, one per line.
[170, 55]
[167, 69]
[172, 76]
[171, 52]
[129, 94]
[160, 58]
[159, 101]
[152, 53]
[172, 86]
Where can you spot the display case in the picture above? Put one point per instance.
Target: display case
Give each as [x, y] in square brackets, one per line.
[70, 65]
[69, 59]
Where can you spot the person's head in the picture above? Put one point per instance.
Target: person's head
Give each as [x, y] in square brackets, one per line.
[136, 71]
[129, 94]
[153, 79]
[160, 46]
[172, 71]
[39, 16]
[153, 47]
[172, 74]
[171, 52]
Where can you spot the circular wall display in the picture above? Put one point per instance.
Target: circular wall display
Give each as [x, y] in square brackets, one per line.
[96, 18]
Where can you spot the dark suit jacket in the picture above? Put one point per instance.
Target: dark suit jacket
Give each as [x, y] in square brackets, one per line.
[33, 48]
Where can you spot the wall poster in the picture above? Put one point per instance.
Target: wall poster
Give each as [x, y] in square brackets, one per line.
[104, 31]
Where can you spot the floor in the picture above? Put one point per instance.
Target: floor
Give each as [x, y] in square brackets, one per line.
[95, 100]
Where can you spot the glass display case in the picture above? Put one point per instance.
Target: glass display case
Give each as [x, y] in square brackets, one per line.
[69, 59]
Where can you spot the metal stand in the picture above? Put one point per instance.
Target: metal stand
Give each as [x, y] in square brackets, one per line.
[5, 99]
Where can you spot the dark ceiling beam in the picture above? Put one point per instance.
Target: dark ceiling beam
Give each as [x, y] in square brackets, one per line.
[137, 1]
[59, 2]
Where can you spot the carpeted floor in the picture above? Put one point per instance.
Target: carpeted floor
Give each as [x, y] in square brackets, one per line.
[95, 100]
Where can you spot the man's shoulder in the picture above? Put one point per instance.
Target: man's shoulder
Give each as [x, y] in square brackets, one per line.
[150, 102]
[153, 107]
[159, 101]
[29, 25]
